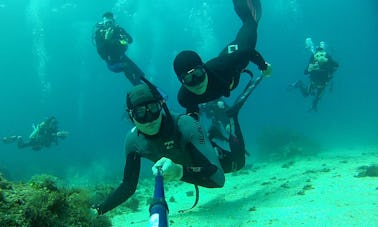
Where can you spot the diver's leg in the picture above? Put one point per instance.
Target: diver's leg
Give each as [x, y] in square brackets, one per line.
[234, 160]
[9, 139]
[247, 35]
[216, 133]
[248, 9]
[132, 72]
[237, 146]
[316, 100]
[21, 144]
[305, 90]
[225, 158]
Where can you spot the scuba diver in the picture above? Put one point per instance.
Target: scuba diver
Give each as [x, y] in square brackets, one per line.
[204, 82]
[215, 111]
[176, 143]
[43, 135]
[320, 70]
[112, 42]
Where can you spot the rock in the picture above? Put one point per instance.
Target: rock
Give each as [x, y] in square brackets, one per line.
[367, 171]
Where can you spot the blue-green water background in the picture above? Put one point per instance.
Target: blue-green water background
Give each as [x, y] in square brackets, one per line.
[49, 66]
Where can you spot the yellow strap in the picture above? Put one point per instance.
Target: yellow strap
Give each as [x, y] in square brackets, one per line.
[232, 84]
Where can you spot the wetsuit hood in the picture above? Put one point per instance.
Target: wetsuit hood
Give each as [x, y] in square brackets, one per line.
[185, 61]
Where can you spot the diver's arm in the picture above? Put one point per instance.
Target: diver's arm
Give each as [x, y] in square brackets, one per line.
[309, 65]
[242, 58]
[100, 45]
[128, 37]
[206, 170]
[127, 187]
[258, 60]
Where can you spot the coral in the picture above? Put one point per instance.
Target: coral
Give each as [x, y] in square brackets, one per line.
[41, 202]
[281, 143]
[44, 182]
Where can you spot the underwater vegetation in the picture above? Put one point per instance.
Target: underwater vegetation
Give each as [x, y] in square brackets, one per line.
[367, 171]
[43, 202]
[277, 143]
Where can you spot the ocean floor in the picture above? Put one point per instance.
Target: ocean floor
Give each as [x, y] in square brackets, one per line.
[322, 190]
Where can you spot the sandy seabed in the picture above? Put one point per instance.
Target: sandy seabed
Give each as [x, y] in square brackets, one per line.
[320, 190]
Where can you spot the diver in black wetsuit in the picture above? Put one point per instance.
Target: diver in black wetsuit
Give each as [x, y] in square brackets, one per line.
[320, 69]
[112, 42]
[204, 82]
[176, 143]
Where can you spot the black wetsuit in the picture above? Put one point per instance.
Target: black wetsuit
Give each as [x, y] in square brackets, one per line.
[319, 78]
[182, 141]
[113, 52]
[224, 71]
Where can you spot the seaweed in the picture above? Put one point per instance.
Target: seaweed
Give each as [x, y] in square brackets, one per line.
[44, 202]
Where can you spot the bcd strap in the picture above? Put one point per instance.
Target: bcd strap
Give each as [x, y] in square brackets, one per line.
[195, 202]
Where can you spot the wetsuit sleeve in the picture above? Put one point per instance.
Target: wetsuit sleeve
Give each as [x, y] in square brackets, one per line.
[306, 72]
[241, 58]
[126, 35]
[100, 45]
[127, 187]
[205, 169]
[258, 60]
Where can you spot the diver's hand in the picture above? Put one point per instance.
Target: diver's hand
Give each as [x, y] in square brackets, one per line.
[62, 134]
[171, 170]
[268, 71]
[312, 67]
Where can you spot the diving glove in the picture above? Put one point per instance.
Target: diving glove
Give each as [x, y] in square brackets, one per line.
[268, 71]
[171, 171]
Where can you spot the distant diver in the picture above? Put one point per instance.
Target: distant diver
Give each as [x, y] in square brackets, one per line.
[320, 69]
[43, 135]
[112, 42]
